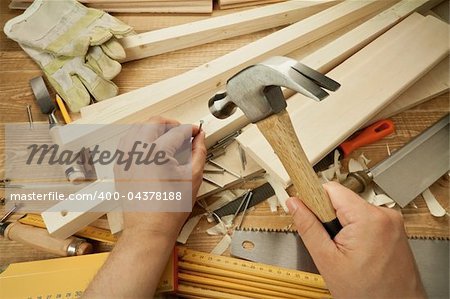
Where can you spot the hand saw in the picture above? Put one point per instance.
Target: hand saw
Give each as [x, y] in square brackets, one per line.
[287, 250]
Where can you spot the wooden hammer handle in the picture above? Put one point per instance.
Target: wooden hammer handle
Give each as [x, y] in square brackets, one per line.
[39, 238]
[280, 133]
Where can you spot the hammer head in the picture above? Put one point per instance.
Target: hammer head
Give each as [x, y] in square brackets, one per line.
[256, 90]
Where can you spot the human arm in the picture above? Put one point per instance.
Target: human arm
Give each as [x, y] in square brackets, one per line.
[369, 257]
[135, 265]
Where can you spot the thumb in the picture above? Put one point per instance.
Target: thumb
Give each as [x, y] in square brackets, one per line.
[311, 230]
[199, 150]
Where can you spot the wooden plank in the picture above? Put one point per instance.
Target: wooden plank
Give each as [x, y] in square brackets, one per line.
[67, 217]
[342, 48]
[443, 11]
[136, 6]
[138, 105]
[330, 55]
[305, 9]
[367, 86]
[218, 28]
[177, 90]
[433, 84]
[227, 4]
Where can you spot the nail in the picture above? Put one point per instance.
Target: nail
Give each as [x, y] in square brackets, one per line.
[292, 204]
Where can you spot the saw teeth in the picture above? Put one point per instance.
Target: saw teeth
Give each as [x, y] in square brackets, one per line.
[264, 230]
[429, 238]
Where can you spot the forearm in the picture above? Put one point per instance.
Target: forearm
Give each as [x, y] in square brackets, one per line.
[134, 268]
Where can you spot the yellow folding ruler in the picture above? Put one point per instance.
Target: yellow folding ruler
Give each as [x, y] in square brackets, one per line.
[228, 277]
[89, 232]
[64, 277]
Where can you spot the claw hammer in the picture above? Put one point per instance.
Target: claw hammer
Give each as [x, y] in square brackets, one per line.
[256, 90]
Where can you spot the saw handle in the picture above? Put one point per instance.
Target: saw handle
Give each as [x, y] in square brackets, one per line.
[280, 133]
[39, 238]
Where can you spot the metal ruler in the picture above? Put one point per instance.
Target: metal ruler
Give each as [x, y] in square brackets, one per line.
[89, 232]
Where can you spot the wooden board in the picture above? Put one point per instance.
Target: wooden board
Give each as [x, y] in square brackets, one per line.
[222, 27]
[136, 6]
[443, 11]
[140, 104]
[16, 94]
[433, 84]
[330, 55]
[227, 4]
[181, 87]
[367, 86]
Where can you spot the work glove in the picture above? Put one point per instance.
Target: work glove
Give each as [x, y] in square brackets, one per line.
[67, 28]
[74, 79]
[75, 46]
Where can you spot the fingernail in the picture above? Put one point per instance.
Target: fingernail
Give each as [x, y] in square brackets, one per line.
[292, 205]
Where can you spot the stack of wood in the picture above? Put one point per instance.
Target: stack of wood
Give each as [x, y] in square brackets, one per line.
[361, 44]
[138, 6]
[157, 6]
[226, 4]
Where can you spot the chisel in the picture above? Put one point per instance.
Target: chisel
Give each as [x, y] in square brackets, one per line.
[40, 239]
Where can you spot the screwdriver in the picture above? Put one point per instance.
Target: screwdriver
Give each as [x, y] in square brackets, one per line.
[39, 238]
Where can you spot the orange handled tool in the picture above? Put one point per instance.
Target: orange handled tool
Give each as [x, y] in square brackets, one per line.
[366, 136]
[372, 133]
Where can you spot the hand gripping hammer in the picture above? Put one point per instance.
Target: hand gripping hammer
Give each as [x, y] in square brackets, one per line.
[256, 90]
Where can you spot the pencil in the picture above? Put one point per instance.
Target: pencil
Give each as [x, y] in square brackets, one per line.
[63, 110]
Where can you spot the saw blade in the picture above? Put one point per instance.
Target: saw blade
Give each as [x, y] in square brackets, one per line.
[432, 259]
[283, 249]
[260, 194]
[414, 167]
[286, 249]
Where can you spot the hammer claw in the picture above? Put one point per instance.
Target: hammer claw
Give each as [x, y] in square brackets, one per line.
[318, 78]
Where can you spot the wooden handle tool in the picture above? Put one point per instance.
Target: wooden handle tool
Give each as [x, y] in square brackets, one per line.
[256, 90]
[280, 133]
[39, 238]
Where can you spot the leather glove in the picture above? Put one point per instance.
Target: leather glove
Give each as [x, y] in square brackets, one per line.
[74, 79]
[67, 28]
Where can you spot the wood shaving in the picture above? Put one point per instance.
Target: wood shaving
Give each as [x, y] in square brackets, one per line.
[391, 205]
[188, 228]
[433, 205]
[280, 192]
[364, 161]
[273, 203]
[382, 199]
[333, 173]
[354, 166]
[328, 174]
[222, 246]
[227, 220]
[218, 229]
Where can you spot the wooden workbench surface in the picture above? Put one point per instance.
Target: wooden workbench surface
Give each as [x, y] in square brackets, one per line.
[15, 94]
